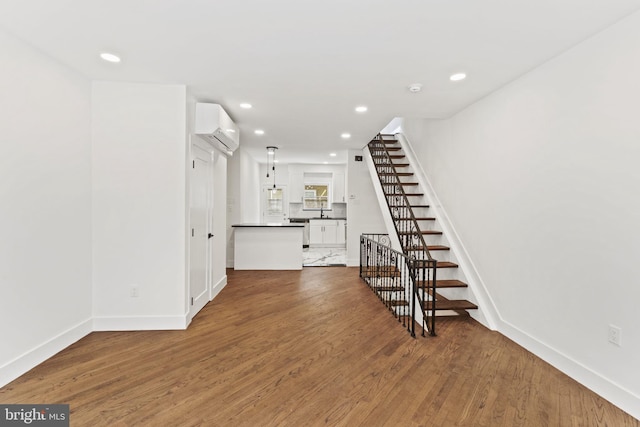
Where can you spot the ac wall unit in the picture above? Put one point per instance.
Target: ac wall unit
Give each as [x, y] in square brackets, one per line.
[215, 126]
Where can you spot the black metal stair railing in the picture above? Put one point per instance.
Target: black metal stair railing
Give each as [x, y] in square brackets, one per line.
[398, 280]
[405, 222]
[407, 227]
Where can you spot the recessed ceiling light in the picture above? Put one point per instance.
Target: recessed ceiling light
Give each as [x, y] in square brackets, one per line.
[361, 109]
[346, 135]
[258, 132]
[231, 130]
[110, 57]
[276, 161]
[415, 88]
[325, 163]
[332, 154]
[245, 105]
[457, 77]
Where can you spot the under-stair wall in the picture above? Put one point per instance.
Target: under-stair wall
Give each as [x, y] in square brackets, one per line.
[487, 313]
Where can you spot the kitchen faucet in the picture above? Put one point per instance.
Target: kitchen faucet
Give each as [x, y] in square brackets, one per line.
[321, 212]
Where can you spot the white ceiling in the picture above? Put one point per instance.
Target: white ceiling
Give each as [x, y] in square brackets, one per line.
[305, 65]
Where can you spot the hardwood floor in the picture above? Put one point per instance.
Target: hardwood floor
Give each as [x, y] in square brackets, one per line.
[306, 348]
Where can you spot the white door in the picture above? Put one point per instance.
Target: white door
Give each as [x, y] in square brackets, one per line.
[275, 206]
[201, 225]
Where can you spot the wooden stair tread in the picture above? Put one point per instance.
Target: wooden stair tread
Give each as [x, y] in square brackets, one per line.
[407, 194]
[446, 283]
[446, 264]
[408, 233]
[397, 173]
[453, 304]
[388, 288]
[425, 218]
[391, 156]
[399, 303]
[380, 271]
[429, 247]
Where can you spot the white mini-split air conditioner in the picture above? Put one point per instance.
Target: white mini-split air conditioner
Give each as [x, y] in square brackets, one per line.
[215, 126]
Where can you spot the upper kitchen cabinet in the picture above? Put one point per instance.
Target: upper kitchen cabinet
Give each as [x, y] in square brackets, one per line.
[296, 185]
[339, 188]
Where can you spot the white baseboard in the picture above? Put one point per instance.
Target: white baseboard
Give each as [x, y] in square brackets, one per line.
[614, 393]
[353, 262]
[140, 323]
[36, 356]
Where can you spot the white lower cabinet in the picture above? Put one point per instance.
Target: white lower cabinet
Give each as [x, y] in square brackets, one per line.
[328, 232]
[341, 236]
[316, 232]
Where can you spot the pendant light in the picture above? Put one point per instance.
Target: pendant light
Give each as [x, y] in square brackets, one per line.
[271, 158]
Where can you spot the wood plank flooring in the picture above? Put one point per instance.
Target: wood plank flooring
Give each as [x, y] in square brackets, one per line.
[308, 348]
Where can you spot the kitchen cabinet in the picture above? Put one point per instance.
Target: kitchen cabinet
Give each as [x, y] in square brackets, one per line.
[339, 188]
[341, 233]
[296, 186]
[327, 232]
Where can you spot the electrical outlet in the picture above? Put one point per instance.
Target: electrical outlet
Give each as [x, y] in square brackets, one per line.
[615, 335]
[133, 292]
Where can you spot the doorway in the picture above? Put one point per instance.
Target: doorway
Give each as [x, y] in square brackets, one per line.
[201, 209]
[275, 204]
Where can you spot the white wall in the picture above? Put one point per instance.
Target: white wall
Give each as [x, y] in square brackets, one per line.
[540, 180]
[219, 265]
[45, 207]
[363, 213]
[243, 195]
[139, 153]
[249, 188]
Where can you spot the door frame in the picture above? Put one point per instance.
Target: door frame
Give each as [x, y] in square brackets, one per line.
[263, 203]
[206, 154]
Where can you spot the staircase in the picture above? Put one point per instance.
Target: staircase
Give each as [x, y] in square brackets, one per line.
[419, 238]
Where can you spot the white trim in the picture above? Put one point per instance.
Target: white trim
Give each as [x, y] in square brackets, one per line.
[487, 313]
[353, 262]
[140, 323]
[32, 358]
[614, 393]
[218, 287]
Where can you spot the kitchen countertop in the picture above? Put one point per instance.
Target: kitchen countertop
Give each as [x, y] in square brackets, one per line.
[329, 218]
[268, 224]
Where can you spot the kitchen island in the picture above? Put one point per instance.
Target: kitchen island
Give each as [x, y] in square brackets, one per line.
[270, 246]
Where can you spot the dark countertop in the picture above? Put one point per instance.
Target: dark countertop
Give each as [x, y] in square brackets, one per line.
[269, 224]
[308, 219]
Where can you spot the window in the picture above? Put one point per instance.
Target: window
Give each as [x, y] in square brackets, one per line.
[274, 201]
[316, 196]
[317, 189]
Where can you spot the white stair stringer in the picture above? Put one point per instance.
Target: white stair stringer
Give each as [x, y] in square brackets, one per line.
[487, 312]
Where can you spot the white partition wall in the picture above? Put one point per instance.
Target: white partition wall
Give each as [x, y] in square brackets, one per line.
[139, 193]
[45, 207]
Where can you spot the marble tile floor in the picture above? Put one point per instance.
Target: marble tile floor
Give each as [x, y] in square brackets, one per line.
[324, 257]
